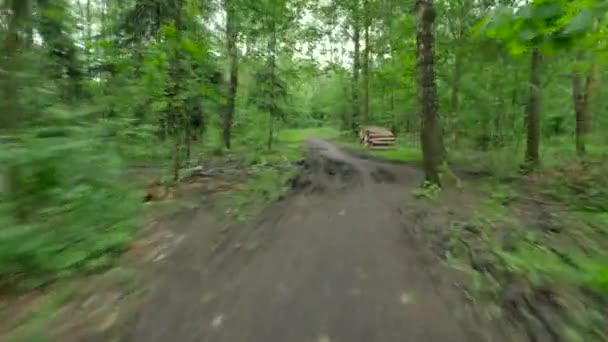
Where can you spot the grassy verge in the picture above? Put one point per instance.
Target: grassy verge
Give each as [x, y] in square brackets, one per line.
[536, 249]
[400, 154]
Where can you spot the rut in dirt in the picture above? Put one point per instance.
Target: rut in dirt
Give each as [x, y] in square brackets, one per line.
[333, 262]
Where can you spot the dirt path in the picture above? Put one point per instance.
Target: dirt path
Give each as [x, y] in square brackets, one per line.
[332, 262]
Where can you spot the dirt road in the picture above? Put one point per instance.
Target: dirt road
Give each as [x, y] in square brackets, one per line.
[332, 262]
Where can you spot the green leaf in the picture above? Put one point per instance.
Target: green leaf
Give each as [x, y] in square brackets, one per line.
[528, 34]
[579, 24]
[547, 10]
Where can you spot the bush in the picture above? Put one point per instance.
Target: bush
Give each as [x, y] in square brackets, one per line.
[65, 206]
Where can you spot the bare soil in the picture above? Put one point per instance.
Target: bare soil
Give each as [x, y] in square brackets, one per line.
[340, 258]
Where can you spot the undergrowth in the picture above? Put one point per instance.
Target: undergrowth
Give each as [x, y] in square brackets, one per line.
[66, 207]
[542, 241]
[427, 190]
[270, 171]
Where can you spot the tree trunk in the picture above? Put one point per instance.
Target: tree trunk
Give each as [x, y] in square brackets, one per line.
[432, 144]
[188, 138]
[579, 113]
[514, 110]
[392, 109]
[532, 158]
[89, 37]
[61, 46]
[584, 103]
[366, 56]
[272, 49]
[591, 93]
[355, 85]
[176, 156]
[18, 25]
[231, 37]
[455, 95]
[176, 105]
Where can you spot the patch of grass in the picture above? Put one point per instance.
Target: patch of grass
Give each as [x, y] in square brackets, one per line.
[265, 186]
[299, 135]
[403, 151]
[400, 154]
[427, 190]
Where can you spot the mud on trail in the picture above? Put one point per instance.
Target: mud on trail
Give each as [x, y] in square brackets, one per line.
[336, 260]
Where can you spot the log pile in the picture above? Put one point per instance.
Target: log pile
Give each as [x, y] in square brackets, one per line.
[376, 137]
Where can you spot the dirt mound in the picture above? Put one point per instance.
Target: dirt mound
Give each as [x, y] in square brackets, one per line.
[329, 169]
[322, 172]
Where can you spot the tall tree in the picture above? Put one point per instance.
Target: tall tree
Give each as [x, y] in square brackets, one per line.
[584, 92]
[356, 26]
[176, 106]
[432, 144]
[533, 109]
[231, 49]
[56, 30]
[366, 58]
[18, 22]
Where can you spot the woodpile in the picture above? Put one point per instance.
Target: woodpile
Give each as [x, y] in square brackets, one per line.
[376, 137]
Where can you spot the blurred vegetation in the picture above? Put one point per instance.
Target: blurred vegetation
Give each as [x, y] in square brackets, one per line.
[94, 92]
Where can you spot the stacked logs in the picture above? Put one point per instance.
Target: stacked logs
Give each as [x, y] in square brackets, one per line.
[376, 137]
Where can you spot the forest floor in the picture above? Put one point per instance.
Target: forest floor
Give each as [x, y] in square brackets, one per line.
[336, 260]
[349, 250]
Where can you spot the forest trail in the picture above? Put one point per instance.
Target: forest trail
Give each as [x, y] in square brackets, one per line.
[332, 262]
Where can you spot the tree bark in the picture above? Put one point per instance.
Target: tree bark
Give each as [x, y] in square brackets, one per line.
[579, 112]
[366, 56]
[231, 37]
[61, 46]
[89, 37]
[591, 93]
[272, 49]
[584, 101]
[18, 25]
[432, 144]
[532, 157]
[177, 106]
[455, 95]
[356, 67]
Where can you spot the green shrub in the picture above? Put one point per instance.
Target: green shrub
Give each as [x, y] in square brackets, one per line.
[65, 206]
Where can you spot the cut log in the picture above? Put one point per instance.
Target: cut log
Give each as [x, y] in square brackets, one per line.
[381, 139]
[373, 137]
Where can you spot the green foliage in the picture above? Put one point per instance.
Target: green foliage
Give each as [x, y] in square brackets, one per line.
[298, 136]
[584, 185]
[264, 187]
[552, 24]
[271, 171]
[510, 238]
[271, 93]
[66, 207]
[427, 190]
[91, 91]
